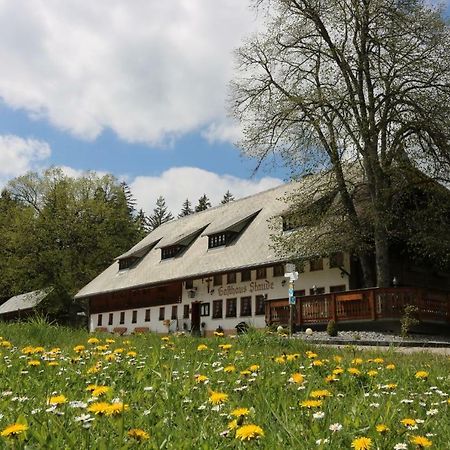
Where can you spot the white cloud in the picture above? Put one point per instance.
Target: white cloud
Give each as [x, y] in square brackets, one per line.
[222, 131]
[148, 69]
[177, 184]
[18, 155]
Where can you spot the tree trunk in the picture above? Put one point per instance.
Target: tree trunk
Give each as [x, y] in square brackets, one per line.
[367, 270]
[382, 256]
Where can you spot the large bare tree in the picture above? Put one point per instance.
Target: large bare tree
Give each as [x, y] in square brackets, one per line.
[333, 82]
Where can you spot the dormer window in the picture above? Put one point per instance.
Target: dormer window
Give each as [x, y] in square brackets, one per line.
[220, 239]
[126, 263]
[171, 252]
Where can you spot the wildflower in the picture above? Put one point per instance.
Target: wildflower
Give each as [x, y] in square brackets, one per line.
[132, 354]
[39, 350]
[331, 379]
[232, 425]
[382, 428]
[420, 441]
[165, 339]
[337, 358]
[250, 431]
[240, 412]
[372, 373]
[292, 357]
[217, 398]
[334, 427]
[317, 363]
[138, 434]
[245, 373]
[229, 369]
[79, 348]
[390, 386]
[254, 368]
[362, 443]
[14, 430]
[218, 333]
[378, 360]
[357, 361]
[93, 341]
[353, 371]
[319, 415]
[110, 357]
[280, 359]
[311, 404]
[201, 378]
[53, 363]
[390, 366]
[338, 371]
[116, 408]
[98, 391]
[320, 394]
[225, 347]
[408, 422]
[56, 400]
[311, 355]
[421, 375]
[99, 408]
[297, 378]
[119, 350]
[34, 362]
[110, 341]
[401, 446]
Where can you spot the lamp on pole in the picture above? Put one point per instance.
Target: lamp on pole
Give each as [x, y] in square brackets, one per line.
[292, 275]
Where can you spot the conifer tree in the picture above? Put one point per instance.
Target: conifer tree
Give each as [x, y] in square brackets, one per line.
[186, 209]
[227, 198]
[160, 214]
[203, 203]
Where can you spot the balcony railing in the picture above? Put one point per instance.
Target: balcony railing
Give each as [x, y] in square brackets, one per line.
[363, 304]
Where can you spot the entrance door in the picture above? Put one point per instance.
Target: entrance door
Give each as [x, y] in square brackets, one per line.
[195, 318]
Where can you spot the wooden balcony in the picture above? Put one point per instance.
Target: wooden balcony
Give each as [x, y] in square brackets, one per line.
[362, 305]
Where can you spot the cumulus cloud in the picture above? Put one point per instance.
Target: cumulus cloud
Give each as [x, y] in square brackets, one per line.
[149, 70]
[18, 155]
[179, 183]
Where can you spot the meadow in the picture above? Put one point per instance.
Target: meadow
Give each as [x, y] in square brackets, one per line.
[65, 389]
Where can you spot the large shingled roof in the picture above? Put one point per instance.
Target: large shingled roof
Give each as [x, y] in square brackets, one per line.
[252, 248]
[23, 301]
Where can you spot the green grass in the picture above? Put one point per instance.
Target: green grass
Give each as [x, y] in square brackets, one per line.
[164, 399]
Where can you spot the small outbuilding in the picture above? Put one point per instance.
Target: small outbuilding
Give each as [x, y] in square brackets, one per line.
[23, 305]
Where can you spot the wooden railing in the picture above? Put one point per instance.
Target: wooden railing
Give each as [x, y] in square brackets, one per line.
[363, 304]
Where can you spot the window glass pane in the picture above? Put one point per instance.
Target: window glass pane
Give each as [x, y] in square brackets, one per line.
[278, 270]
[174, 312]
[246, 275]
[186, 311]
[260, 305]
[337, 260]
[316, 264]
[217, 309]
[147, 315]
[204, 309]
[246, 306]
[231, 278]
[218, 280]
[134, 317]
[110, 319]
[99, 320]
[231, 307]
[122, 317]
[161, 313]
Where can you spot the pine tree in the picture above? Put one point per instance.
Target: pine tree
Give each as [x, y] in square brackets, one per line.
[227, 198]
[203, 203]
[160, 214]
[131, 201]
[186, 209]
[142, 221]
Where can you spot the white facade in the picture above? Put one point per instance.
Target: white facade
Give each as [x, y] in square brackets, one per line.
[205, 292]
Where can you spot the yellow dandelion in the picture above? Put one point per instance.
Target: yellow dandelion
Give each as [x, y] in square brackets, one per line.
[280, 359]
[338, 371]
[94, 369]
[297, 378]
[116, 408]
[34, 362]
[138, 434]
[317, 363]
[311, 355]
[421, 375]
[311, 404]
[102, 348]
[217, 398]
[240, 412]
[165, 338]
[6, 344]
[382, 428]
[362, 443]
[28, 350]
[378, 360]
[91, 387]
[229, 369]
[39, 350]
[372, 373]
[14, 430]
[353, 371]
[201, 378]
[391, 386]
[110, 341]
[245, 373]
[110, 357]
[390, 367]
[248, 432]
[292, 357]
[53, 363]
[202, 347]
[331, 379]
[218, 333]
[225, 347]
[408, 422]
[132, 354]
[320, 393]
[98, 391]
[79, 348]
[56, 400]
[420, 441]
[357, 361]
[337, 358]
[93, 341]
[99, 408]
[232, 425]
[254, 368]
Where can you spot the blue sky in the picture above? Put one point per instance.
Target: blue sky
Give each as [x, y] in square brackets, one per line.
[136, 89]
